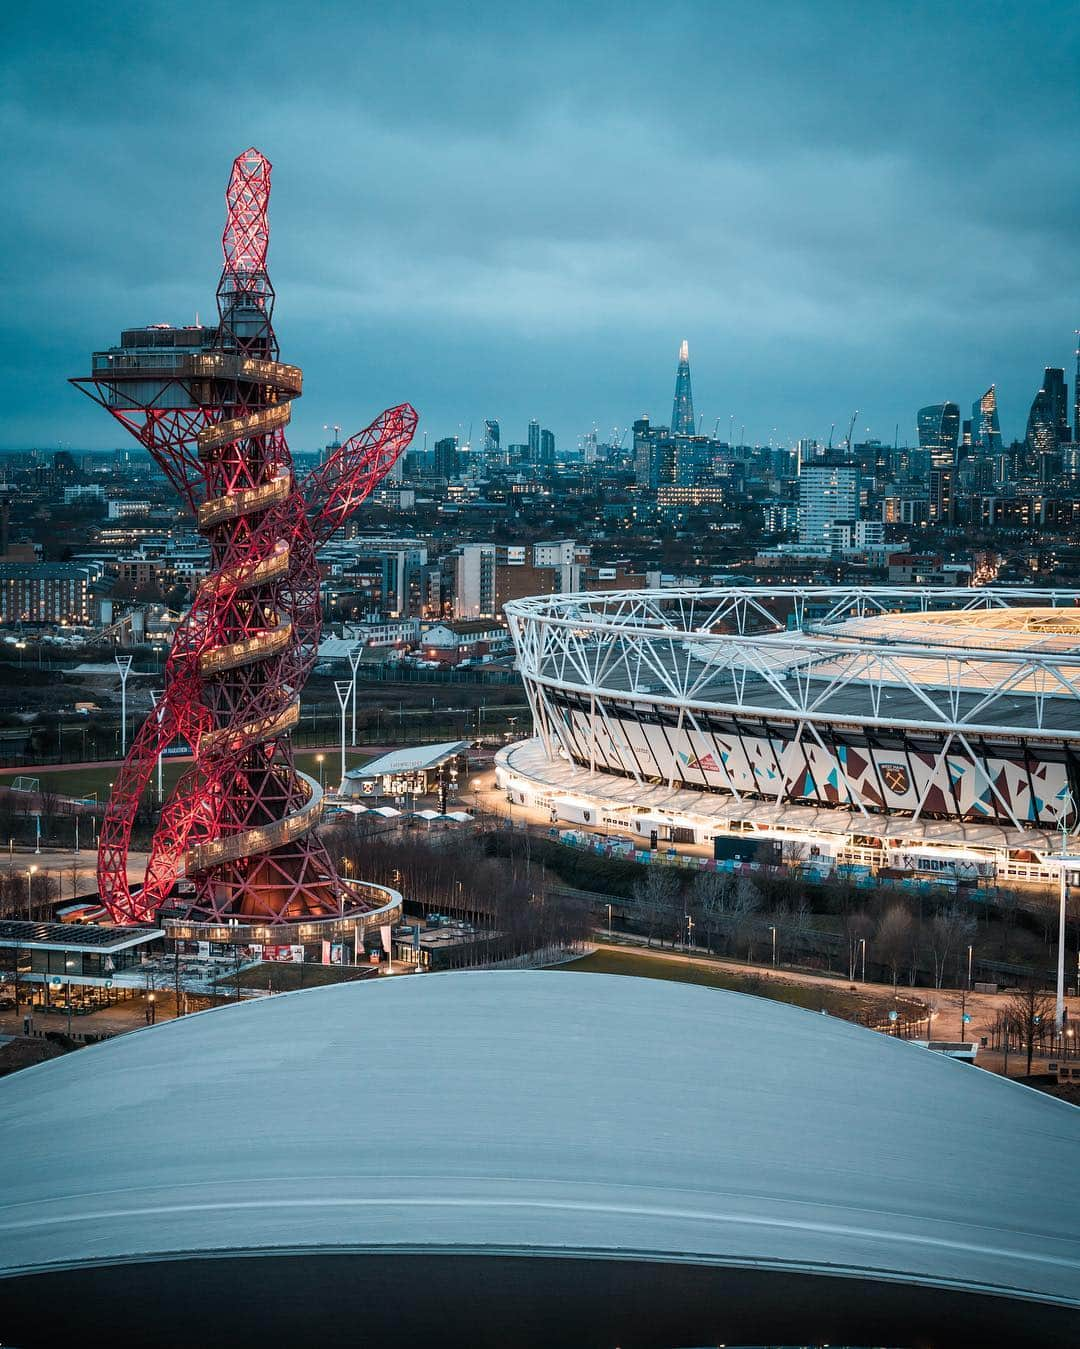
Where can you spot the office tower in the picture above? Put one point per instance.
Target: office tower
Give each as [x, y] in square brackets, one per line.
[534, 441]
[491, 450]
[1057, 391]
[654, 455]
[1076, 397]
[942, 495]
[547, 446]
[682, 410]
[643, 476]
[1042, 429]
[828, 495]
[939, 430]
[446, 457]
[985, 431]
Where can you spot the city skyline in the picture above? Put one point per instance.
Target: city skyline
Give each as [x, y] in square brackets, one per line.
[495, 215]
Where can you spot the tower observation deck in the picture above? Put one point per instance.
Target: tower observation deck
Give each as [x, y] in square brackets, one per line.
[211, 404]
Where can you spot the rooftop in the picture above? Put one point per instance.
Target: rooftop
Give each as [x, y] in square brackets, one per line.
[542, 1114]
[73, 936]
[414, 759]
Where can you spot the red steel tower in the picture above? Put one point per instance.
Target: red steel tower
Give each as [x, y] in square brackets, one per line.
[210, 404]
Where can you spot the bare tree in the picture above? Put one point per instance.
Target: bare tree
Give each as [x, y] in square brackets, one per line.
[857, 929]
[709, 902]
[656, 895]
[792, 923]
[745, 903]
[948, 930]
[892, 940]
[1029, 1012]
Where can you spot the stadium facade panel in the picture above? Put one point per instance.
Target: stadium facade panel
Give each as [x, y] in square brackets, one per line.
[885, 705]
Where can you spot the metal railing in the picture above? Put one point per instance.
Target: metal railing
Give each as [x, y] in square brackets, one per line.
[219, 365]
[252, 732]
[255, 424]
[260, 647]
[263, 838]
[386, 908]
[247, 574]
[244, 502]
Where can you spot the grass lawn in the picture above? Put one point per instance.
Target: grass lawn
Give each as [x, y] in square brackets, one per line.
[286, 978]
[77, 781]
[836, 1001]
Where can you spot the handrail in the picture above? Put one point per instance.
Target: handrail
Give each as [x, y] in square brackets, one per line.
[246, 501]
[213, 365]
[256, 423]
[263, 838]
[235, 654]
[252, 732]
[247, 574]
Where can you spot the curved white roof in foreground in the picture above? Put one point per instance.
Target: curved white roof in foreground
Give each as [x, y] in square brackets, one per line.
[579, 1118]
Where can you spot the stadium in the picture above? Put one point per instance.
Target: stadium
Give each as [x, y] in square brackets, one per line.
[919, 731]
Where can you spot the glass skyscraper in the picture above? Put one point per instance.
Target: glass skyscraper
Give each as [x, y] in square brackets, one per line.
[985, 431]
[939, 432]
[1057, 392]
[1042, 429]
[682, 410]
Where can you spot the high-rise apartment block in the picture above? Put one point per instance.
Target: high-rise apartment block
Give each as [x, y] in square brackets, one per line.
[828, 495]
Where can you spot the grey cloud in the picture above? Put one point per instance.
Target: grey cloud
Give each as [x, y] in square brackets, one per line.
[519, 210]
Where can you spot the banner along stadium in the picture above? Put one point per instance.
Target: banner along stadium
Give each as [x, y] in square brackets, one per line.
[926, 731]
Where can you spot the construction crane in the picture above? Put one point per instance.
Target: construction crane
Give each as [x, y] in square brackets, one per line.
[831, 430]
[851, 429]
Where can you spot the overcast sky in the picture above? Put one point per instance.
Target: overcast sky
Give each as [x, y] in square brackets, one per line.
[520, 210]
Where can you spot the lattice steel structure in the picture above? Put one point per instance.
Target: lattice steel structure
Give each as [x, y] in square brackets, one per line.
[904, 704]
[211, 405]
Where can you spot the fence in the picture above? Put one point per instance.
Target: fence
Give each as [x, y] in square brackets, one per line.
[547, 955]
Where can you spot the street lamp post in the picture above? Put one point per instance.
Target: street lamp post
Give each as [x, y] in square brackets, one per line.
[160, 708]
[862, 947]
[29, 892]
[354, 661]
[68, 965]
[773, 931]
[1066, 862]
[123, 664]
[319, 761]
[970, 949]
[344, 688]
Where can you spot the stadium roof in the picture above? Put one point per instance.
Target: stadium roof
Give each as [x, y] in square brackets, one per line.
[727, 1151]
